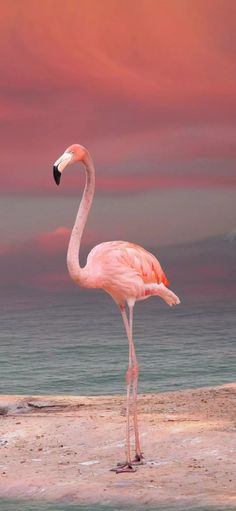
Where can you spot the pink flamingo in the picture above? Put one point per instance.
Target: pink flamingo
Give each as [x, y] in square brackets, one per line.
[124, 270]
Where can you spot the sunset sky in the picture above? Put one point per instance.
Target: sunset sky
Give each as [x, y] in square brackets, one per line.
[149, 87]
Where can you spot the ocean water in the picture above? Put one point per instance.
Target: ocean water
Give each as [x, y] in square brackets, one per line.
[12, 505]
[76, 344]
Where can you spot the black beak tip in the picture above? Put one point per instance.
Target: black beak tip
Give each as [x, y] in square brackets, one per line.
[56, 174]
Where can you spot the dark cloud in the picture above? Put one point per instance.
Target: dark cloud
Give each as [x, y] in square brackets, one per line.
[199, 271]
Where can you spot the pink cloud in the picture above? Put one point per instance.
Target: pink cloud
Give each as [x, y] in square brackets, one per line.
[39, 262]
[52, 242]
[46, 242]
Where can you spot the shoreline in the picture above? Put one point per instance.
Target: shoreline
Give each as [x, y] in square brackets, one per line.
[60, 448]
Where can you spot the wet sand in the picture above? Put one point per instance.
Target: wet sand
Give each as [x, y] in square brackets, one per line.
[60, 448]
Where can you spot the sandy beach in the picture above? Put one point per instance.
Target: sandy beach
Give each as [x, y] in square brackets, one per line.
[60, 448]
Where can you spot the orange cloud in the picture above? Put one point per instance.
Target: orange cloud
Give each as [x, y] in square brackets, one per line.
[140, 48]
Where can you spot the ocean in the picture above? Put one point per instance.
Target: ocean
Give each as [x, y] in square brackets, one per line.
[12, 505]
[77, 345]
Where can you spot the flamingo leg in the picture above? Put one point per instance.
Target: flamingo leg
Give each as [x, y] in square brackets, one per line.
[132, 380]
[127, 465]
[139, 459]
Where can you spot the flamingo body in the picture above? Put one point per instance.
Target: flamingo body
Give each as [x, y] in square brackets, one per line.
[126, 271]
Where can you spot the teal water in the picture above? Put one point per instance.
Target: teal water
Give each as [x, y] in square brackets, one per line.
[77, 345]
[10, 505]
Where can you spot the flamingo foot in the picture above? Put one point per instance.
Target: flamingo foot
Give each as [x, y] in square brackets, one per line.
[139, 460]
[123, 467]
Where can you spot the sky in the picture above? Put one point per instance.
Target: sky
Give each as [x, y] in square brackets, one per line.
[148, 87]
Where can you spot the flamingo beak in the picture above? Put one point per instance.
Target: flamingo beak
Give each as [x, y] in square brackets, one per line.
[59, 166]
[56, 175]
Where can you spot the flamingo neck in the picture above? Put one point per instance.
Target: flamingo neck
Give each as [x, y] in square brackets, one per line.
[77, 273]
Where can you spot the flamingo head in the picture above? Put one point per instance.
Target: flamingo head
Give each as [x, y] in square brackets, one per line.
[72, 154]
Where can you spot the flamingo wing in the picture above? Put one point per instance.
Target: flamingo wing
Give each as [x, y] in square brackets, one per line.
[123, 269]
[144, 263]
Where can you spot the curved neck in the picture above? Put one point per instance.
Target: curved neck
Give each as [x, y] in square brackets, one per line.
[76, 272]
